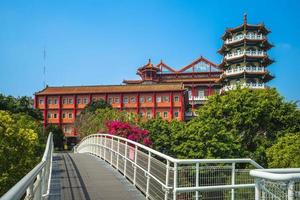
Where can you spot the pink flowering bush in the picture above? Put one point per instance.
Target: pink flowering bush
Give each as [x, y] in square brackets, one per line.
[126, 130]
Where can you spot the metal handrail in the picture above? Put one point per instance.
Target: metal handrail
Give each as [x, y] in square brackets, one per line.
[277, 174]
[36, 183]
[173, 176]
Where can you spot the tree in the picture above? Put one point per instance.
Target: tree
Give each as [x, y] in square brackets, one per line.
[239, 123]
[91, 123]
[163, 134]
[95, 105]
[58, 135]
[285, 152]
[20, 105]
[129, 131]
[20, 149]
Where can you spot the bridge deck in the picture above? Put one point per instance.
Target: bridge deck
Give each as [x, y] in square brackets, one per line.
[82, 176]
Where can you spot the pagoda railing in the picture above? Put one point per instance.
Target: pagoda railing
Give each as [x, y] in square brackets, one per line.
[161, 177]
[244, 36]
[252, 85]
[281, 184]
[35, 184]
[245, 52]
[237, 70]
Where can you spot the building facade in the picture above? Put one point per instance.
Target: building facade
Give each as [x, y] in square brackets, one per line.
[165, 91]
[200, 78]
[61, 105]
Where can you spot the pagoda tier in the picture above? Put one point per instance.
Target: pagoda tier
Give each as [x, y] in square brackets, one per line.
[229, 44]
[262, 74]
[245, 57]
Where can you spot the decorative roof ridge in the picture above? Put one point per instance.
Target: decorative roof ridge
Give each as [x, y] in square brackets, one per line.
[166, 66]
[201, 58]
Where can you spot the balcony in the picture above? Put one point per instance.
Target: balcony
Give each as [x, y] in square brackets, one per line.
[244, 69]
[244, 36]
[252, 85]
[197, 98]
[242, 53]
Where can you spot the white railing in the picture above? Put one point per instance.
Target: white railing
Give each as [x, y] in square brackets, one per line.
[242, 53]
[244, 36]
[281, 184]
[252, 85]
[197, 98]
[160, 176]
[35, 184]
[238, 70]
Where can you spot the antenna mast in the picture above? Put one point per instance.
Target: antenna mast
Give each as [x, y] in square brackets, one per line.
[44, 66]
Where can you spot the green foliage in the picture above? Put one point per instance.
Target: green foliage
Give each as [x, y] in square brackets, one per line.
[90, 123]
[239, 123]
[285, 152]
[95, 105]
[19, 105]
[58, 135]
[163, 134]
[20, 149]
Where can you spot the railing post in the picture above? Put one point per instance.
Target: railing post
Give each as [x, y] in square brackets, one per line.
[148, 176]
[29, 192]
[175, 182]
[291, 190]
[118, 152]
[167, 179]
[111, 150]
[104, 149]
[101, 146]
[197, 180]
[134, 170]
[232, 179]
[257, 189]
[125, 159]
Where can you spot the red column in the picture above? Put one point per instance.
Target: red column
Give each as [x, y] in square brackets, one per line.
[74, 108]
[154, 105]
[137, 103]
[59, 111]
[90, 98]
[121, 101]
[106, 97]
[209, 89]
[35, 102]
[45, 110]
[193, 93]
[181, 106]
[171, 105]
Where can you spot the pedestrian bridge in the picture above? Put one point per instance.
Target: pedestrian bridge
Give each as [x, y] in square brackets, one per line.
[110, 167]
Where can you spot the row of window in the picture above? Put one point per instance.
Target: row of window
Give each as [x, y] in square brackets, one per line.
[159, 114]
[64, 115]
[142, 114]
[142, 99]
[112, 100]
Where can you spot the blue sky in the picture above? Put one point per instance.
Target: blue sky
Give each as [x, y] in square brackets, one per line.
[92, 42]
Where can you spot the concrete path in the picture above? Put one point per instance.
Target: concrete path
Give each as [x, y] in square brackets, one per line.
[86, 177]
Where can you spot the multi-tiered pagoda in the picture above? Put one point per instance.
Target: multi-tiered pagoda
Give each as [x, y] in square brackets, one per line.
[245, 58]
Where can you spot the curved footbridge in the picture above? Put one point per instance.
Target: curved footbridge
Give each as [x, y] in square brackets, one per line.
[107, 167]
[87, 177]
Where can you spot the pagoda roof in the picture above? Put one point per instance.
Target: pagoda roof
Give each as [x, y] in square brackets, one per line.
[149, 65]
[266, 75]
[96, 89]
[245, 26]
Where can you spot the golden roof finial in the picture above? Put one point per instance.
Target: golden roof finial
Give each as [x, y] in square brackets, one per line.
[149, 61]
